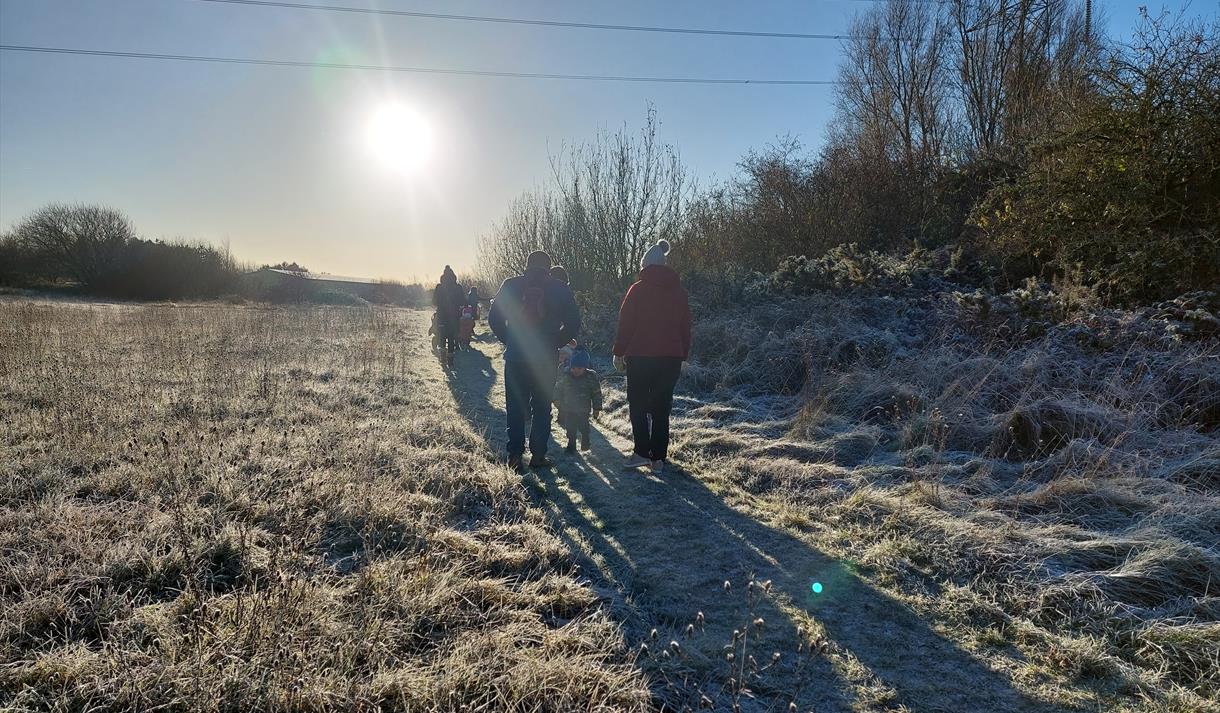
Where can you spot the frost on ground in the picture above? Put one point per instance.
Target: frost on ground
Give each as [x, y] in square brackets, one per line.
[240, 508]
[1046, 489]
[225, 508]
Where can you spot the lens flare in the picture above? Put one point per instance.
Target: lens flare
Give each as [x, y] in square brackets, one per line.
[817, 587]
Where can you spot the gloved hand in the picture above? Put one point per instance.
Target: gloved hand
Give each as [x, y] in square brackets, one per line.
[620, 363]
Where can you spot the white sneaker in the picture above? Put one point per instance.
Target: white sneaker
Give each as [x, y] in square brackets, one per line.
[658, 467]
[635, 460]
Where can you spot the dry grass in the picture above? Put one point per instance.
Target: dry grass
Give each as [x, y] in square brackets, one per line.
[1052, 502]
[226, 508]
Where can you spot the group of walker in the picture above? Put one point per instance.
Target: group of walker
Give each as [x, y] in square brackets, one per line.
[535, 316]
[457, 310]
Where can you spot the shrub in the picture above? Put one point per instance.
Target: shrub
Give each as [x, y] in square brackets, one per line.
[848, 267]
[97, 248]
[154, 270]
[79, 242]
[1128, 191]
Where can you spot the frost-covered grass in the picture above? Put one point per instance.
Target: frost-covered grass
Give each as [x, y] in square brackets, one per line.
[229, 508]
[1048, 490]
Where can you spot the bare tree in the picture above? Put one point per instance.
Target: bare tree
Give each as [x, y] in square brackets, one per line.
[612, 198]
[1018, 62]
[623, 192]
[83, 242]
[893, 92]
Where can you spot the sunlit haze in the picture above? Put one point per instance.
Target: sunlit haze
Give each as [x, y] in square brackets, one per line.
[368, 173]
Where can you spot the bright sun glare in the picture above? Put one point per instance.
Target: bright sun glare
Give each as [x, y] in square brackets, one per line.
[399, 137]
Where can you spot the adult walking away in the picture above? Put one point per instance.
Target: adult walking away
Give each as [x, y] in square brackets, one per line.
[448, 298]
[652, 342]
[473, 299]
[533, 315]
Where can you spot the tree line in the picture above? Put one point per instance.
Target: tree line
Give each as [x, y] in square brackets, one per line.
[95, 250]
[98, 251]
[1009, 131]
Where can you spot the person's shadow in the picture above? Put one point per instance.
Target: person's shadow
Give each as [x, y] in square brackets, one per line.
[660, 550]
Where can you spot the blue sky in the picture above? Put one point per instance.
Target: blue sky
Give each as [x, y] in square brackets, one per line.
[275, 160]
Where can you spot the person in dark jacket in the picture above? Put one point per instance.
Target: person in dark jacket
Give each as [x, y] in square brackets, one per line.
[473, 299]
[448, 297]
[578, 392]
[653, 340]
[533, 315]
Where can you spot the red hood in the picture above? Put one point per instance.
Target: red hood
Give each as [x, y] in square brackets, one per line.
[659, 275]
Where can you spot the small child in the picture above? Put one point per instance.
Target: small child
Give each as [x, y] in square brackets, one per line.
[578, 392]
[565, 355]
[466, 327]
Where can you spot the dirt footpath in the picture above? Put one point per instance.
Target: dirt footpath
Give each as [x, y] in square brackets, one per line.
[661, 549]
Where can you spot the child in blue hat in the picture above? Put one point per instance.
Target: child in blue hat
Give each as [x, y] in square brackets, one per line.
[578, 394]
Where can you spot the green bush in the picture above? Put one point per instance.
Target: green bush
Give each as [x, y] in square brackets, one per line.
[1127, 192]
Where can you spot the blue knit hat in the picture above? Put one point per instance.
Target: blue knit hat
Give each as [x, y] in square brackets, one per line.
[579, 360]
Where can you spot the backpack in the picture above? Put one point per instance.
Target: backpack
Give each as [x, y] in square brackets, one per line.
[533, 302]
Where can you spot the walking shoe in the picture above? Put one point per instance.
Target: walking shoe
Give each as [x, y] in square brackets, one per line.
[658, 467]
[635, 460]
[540, 462]
[514, 463]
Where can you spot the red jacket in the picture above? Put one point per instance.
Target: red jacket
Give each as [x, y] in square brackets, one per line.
[654, 320]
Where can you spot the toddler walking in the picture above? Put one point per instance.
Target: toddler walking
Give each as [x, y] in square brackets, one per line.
[578, 394]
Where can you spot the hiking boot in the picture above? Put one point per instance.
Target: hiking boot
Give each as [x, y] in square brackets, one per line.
[540, 462]
[514, 464]
[635, 460]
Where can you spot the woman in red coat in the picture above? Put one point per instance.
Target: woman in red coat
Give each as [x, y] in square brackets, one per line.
[652, 342]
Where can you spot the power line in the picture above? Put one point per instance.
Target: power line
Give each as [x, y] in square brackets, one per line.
[524, 21]
[414, 70]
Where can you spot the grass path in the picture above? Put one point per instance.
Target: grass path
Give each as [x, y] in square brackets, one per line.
[659, 550]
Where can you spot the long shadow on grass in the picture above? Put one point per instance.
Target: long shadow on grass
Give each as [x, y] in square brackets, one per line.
[663, 549]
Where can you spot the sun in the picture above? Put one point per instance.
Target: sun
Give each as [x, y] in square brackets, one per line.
[399, 137]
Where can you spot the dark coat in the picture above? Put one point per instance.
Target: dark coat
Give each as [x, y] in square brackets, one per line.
[448, 297]
[559, 322]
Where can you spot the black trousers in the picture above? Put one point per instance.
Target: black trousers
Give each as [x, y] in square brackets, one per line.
[650, 396]
[576, 424]
[449, 335]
